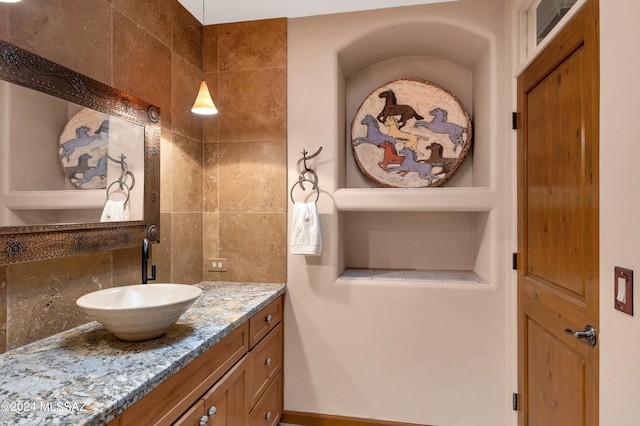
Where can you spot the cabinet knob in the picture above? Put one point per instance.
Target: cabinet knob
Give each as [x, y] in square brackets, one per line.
[267, 361]
[268, 415]
[212, 410]
[203, 420]
[269, 318]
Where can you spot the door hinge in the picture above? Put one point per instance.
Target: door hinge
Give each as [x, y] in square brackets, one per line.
[514, 120]
[514, 402]
[514, 261]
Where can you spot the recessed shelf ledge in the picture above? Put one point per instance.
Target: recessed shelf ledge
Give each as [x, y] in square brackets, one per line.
[479, 199]
[414, 275]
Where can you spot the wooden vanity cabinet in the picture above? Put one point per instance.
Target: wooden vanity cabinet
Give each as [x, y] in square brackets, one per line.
[167, 402]
[251, 393]
[223, 404]
[236, 382]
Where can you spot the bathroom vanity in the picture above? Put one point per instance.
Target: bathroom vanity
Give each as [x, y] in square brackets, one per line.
[220, 364]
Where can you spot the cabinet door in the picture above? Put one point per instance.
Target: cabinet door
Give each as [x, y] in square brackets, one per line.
[225, 402]
[193, 417]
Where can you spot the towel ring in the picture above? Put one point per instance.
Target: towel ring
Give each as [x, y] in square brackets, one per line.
[122, 184]
[299, 182]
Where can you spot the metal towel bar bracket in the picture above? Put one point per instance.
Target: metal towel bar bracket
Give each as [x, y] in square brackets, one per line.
[303, 171]
[122, 180]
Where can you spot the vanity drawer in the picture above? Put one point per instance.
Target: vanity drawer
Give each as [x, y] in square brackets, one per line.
[268, 410]
[265, 362]
[264, 321]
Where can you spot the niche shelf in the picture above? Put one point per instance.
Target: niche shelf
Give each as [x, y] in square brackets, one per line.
[413, 275]
[436, 246]
[453, 199]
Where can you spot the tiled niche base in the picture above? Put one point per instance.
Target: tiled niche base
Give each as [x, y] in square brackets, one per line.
[443, 276]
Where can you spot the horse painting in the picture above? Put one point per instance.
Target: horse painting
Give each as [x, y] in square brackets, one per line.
[410, 140]
[100, 170]
[82, 138]
[374, 135]
[390, 155]
[406, 155]
[436, 157]
[83, 165]
[409, 164]
[392, 109]
[439, 124]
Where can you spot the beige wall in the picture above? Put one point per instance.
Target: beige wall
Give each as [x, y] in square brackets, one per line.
[619, 336]
[404, 351]
[221, 198]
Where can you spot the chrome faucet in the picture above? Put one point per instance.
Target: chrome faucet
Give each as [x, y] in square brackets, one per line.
[145, 260]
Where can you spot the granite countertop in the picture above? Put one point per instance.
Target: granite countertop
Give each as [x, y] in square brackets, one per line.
[86, 376]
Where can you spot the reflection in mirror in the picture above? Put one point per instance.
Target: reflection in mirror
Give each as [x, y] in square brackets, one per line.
[79, 162]
[63, 163]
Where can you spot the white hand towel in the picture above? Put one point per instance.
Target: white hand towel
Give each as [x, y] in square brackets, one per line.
[306, 235]
[115, 211]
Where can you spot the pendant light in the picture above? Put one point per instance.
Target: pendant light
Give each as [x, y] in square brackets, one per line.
[204, 103]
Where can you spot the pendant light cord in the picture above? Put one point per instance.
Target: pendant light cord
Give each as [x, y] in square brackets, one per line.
[202, 41]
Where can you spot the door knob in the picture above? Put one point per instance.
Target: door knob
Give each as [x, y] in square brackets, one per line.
[589, 334]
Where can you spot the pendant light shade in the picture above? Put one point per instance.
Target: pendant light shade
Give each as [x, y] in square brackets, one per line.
[204, 103]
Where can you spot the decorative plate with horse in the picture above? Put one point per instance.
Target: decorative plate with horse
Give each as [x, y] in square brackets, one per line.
[410, 133]
[83, 147]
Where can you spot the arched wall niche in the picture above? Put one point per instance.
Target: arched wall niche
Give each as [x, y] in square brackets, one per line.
[462, 61]
[456, 58]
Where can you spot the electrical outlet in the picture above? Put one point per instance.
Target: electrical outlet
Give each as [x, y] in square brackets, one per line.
[217, 264]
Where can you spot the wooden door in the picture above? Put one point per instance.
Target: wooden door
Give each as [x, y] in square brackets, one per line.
[558, 227]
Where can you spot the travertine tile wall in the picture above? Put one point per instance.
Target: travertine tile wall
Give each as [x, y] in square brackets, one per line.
[225, 197]
[245, 190]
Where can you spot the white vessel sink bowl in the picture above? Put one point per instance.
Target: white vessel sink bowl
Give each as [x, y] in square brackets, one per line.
[141, 311]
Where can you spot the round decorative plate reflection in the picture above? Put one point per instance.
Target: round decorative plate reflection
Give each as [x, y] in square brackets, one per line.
[410, 134]
[83, 147]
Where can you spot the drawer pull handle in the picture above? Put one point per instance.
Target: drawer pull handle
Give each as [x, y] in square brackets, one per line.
[268, 415]
[269, 318]
[267, 361]
[203, 420]
[212, 410]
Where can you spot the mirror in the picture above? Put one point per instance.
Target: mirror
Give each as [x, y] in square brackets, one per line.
[79, 162]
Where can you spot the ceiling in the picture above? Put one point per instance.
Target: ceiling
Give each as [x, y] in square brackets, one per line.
[219, 11]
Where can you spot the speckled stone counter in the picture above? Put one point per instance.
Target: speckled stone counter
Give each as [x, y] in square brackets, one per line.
[86, 376]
